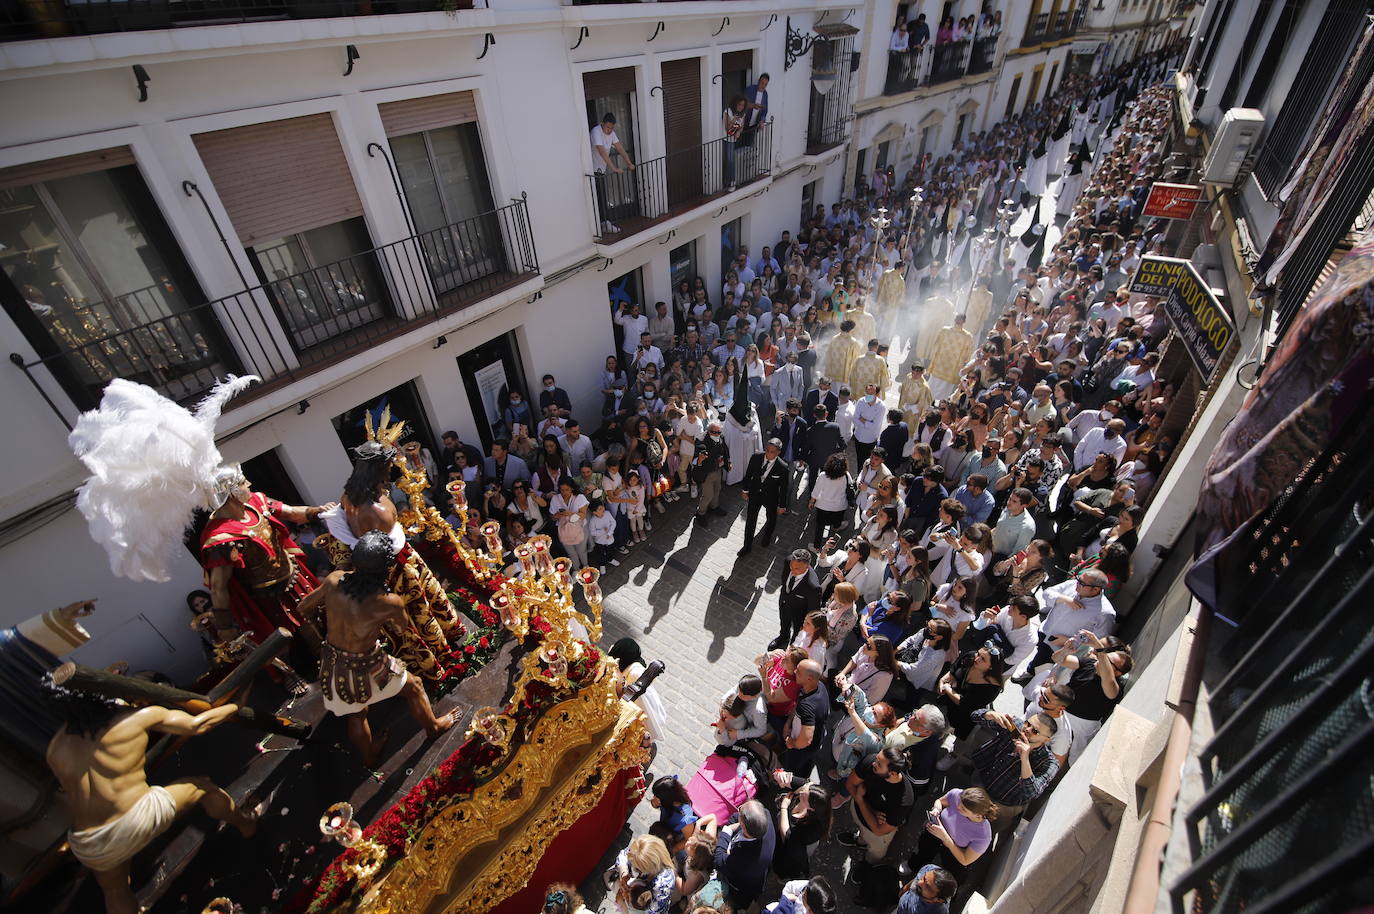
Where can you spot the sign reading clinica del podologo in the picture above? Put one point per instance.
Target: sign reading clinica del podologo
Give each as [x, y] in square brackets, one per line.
[1197, 316]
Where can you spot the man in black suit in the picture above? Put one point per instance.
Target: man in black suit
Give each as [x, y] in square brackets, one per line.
[822, 395]
[767, 486]
[791, 430]
[799, 596]
[893, 439]
[823, 438]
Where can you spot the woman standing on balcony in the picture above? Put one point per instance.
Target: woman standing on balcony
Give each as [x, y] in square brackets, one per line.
[732, 122]
[945, 34]
[900, 41]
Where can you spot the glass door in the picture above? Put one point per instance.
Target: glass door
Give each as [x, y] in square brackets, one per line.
[92, 274]
[444, 178]
[621, 190]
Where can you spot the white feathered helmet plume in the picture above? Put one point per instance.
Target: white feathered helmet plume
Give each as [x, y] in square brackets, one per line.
[152, 463]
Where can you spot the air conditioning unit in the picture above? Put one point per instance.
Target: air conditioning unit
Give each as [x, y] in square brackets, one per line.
[1232, 155]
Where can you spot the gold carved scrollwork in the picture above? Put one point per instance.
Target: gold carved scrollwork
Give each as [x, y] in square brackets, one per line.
[475, 854]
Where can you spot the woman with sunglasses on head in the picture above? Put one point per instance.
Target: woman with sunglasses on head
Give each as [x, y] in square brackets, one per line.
[973, 684]
[1096, 668]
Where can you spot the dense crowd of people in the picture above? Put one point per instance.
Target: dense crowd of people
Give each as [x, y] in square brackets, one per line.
[972, 515]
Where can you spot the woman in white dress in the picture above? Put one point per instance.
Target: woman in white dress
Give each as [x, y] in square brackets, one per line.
[881, 535]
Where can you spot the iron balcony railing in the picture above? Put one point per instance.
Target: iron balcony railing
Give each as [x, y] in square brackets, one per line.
[1062, 21]
[908, 70]
[904, 70]
[291, 326]
[1036, 30]
[827, 135]
[984, 54]
[949, 61]
[26, 19]
[631, 201]
[1284, 821]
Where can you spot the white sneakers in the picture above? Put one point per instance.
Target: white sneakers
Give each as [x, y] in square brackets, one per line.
[609, 228]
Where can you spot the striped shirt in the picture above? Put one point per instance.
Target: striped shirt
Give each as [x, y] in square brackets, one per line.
[999, 767]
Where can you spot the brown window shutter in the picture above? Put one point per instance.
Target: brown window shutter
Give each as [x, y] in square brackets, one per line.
[65, 167]
[736, 61]
[414, 115]
[604, 83]
[280, 178]
[682, 103]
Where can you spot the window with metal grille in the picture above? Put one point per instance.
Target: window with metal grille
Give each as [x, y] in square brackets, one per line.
[1326, 55]
[831, 75]
[94, 280]
[1287, 819]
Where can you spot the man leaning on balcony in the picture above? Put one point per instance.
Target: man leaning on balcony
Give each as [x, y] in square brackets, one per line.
[604, 142]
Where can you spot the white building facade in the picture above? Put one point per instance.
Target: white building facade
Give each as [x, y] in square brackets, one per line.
[399, 206]
[381, 207]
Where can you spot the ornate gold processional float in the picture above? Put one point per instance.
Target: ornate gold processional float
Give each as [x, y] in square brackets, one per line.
[539, 788]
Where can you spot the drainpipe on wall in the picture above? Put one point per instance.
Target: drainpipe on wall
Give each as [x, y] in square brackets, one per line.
[1142, 892]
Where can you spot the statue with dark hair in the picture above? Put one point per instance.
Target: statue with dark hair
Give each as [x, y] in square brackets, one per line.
[425, 636]
[355, 672]
[98, 758]
[373, 558]
[371, 476]
[83, 713]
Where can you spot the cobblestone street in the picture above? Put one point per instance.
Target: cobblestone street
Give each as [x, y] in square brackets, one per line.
[689, 601]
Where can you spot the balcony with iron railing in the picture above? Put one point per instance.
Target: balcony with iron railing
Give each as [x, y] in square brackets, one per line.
[826, 135]
[984, 55]
[288, 327]
[940, 63]
[1037, 31]
[950, 61]
[904, 70]
[631, 201]
[28, 19]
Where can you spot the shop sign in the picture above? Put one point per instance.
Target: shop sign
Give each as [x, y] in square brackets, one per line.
[1198, 318]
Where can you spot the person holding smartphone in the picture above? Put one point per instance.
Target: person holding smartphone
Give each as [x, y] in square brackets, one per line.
[957, 831]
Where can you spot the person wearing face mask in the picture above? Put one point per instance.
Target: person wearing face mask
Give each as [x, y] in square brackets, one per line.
[1110, 439]
[553, 395]
[709, 466]
[989, 463]
[1088, 419]
[868, 421]
[516, 412]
